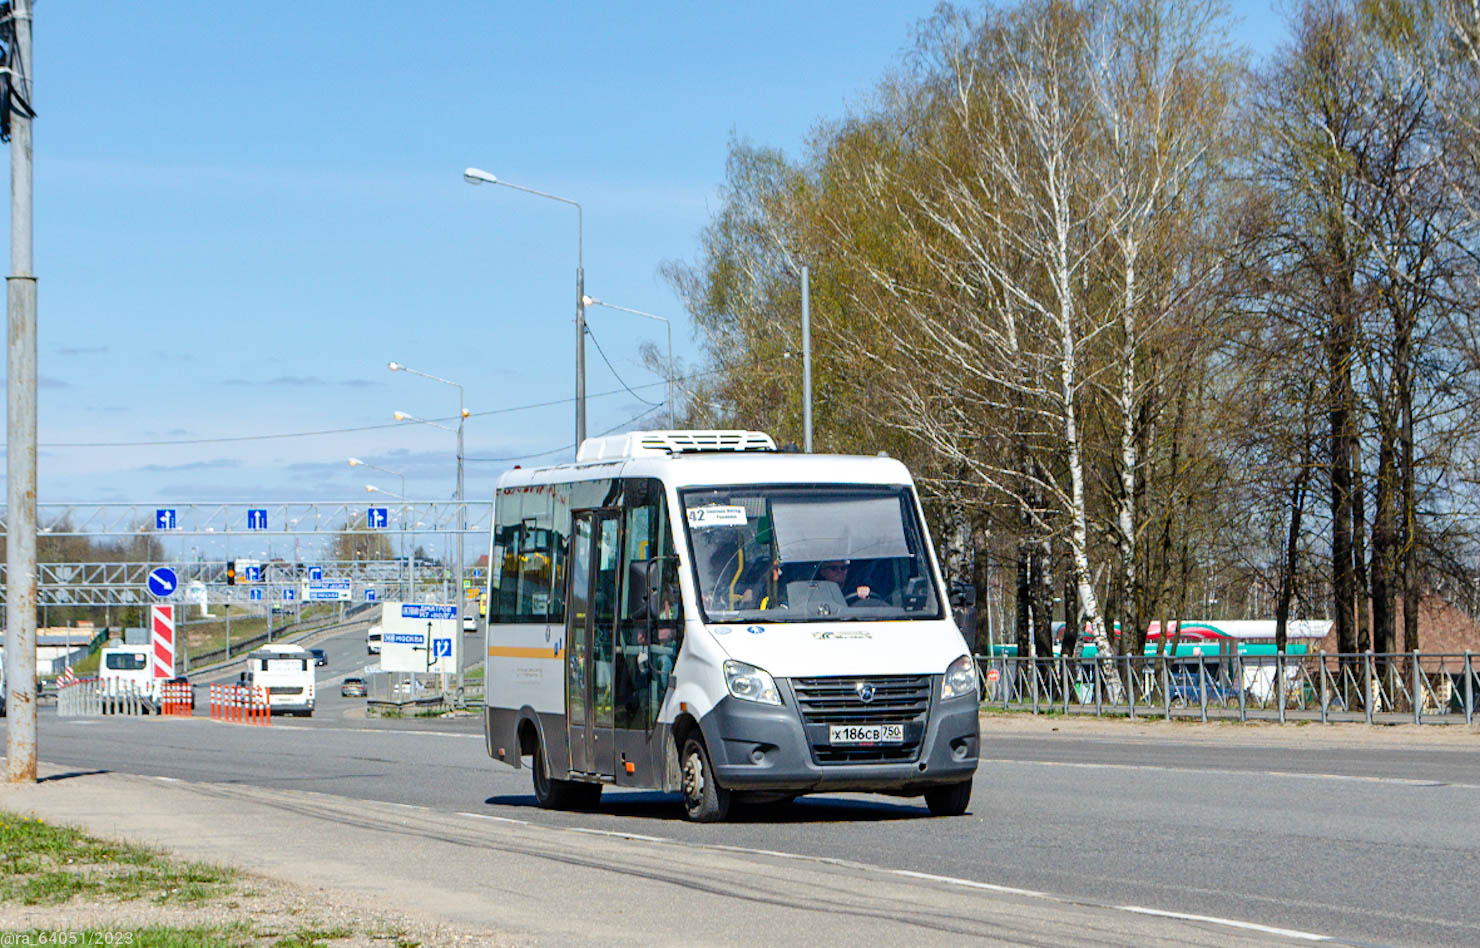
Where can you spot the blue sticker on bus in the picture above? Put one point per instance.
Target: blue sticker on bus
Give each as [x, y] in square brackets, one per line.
[721, 630]
[755, 629]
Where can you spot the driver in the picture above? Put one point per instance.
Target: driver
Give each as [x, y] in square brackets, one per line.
[836, 571]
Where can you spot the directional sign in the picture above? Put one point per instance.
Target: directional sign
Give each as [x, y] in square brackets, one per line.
[315, 572]
[254, 574]
[376, 518]
[164, 518]
[256, 594]
[256, 518]
[369, 595]
[420, 637]
[288, 594]
[327, 590]
[162, 582]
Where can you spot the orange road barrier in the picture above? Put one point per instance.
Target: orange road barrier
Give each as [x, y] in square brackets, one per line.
[177, 699]
[240, 704]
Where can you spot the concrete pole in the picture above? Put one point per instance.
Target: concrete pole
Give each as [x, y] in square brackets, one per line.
[580, 336]
[20, 286]
[462, 526]
[806, 361]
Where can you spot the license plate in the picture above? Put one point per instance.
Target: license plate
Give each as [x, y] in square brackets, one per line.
[865, 734]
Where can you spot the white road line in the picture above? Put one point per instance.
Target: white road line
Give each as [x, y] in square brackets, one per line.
[1227, 922]
[1219, 771]
[1291, 933]
[168, 779]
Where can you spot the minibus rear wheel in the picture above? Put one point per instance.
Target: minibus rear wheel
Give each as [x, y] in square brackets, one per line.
[553, 794]
[704, 800]
[949, 801]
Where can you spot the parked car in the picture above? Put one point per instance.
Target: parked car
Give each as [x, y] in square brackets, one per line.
[352, 688]
[319, 658]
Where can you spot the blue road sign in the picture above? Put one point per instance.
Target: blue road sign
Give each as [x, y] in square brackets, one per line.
[256, 594]
[162, 581]
[288, 594]
[428, 610]
[164, 518]
[441, 648]
[254, 574]
[256, 518]
[315, 572]
[376, 518]
[369, 595]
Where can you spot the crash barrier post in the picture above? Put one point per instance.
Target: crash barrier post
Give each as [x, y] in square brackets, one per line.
[177, 699]
[240, 704]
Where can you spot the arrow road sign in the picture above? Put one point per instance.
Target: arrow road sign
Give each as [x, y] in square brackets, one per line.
[256, 594]
[376, 518]
[162, 581]
[315, 572]
[287, 594]
[257, 518]
[441, 648]
[369, 595]
[254, 574]
[164, 518]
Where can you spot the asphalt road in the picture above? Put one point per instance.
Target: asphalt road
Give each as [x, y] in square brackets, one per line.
[1365, 844]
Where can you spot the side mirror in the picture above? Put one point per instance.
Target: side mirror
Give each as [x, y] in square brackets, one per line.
[653, 587]
[963, 595]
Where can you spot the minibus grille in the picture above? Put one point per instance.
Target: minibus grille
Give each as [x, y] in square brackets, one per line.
[285, 690]
[836, 700]
[897, 699]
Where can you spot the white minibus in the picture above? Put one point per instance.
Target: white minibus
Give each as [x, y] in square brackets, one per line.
[287, 672]
[695, 611]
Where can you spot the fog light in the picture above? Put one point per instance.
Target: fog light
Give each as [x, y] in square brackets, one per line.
[757, 755]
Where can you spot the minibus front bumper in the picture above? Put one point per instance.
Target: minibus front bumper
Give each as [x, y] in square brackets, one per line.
[769, 748]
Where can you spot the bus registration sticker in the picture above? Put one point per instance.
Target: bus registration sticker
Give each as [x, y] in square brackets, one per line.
[865, 734]
[716, 515]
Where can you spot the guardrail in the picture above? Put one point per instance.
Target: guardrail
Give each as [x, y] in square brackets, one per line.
[240, 704]
[95, 697]
[1366, 687]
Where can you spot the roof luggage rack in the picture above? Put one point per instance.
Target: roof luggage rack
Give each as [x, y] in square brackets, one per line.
[658, 443]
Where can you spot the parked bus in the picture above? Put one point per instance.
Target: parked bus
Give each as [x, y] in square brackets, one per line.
[287, 672]
[697, 612]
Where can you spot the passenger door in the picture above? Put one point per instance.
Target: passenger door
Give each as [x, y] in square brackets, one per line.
[590, 630]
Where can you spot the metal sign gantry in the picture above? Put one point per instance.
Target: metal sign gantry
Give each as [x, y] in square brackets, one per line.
[288, 518]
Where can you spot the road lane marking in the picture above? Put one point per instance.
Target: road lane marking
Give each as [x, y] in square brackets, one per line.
[1228, 922]
[1221, 771]
[1290, 933]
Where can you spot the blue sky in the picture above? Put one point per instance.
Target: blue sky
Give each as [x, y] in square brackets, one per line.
[243, 212]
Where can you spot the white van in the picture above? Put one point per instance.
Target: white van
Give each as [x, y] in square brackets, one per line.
[129, 668]
[697, 612]
[372, 640]
[287, 672]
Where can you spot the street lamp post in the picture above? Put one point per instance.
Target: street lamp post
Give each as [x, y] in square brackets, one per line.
[410, 578]
[593, 301]
[462, 508]
[478, 176]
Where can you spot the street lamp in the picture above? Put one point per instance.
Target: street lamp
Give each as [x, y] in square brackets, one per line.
[593, 301]
[405, 513]
[462, 508]
[479, 176]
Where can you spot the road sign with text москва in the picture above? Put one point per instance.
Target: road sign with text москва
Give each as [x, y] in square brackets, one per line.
[420, 637]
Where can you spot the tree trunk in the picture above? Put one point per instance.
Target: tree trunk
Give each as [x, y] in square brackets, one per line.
[1290, 564]
[1359, 550]
[1384, 541]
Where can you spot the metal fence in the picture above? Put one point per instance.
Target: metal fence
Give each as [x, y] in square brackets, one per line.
[94, 697]
[1367, 687]
[407, 692]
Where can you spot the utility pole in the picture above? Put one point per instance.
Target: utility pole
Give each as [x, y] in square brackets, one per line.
[20, 302]
[806, 361]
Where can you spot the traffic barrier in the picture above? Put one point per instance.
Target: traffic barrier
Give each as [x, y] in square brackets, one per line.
[94, 697]
[240, 704]
[177, 699]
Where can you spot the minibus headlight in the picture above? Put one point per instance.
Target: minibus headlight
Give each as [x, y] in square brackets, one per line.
[960, 679]
[749, 683]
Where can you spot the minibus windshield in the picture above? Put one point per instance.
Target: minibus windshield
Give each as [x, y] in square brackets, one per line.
[809, 554]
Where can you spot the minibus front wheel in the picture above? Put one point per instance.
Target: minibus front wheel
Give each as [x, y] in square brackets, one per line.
[704, 800]
[949, 801]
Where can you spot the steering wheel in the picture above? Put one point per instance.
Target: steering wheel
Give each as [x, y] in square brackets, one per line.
[853, 599]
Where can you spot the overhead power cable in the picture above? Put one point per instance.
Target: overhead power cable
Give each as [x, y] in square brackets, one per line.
[613, 369]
